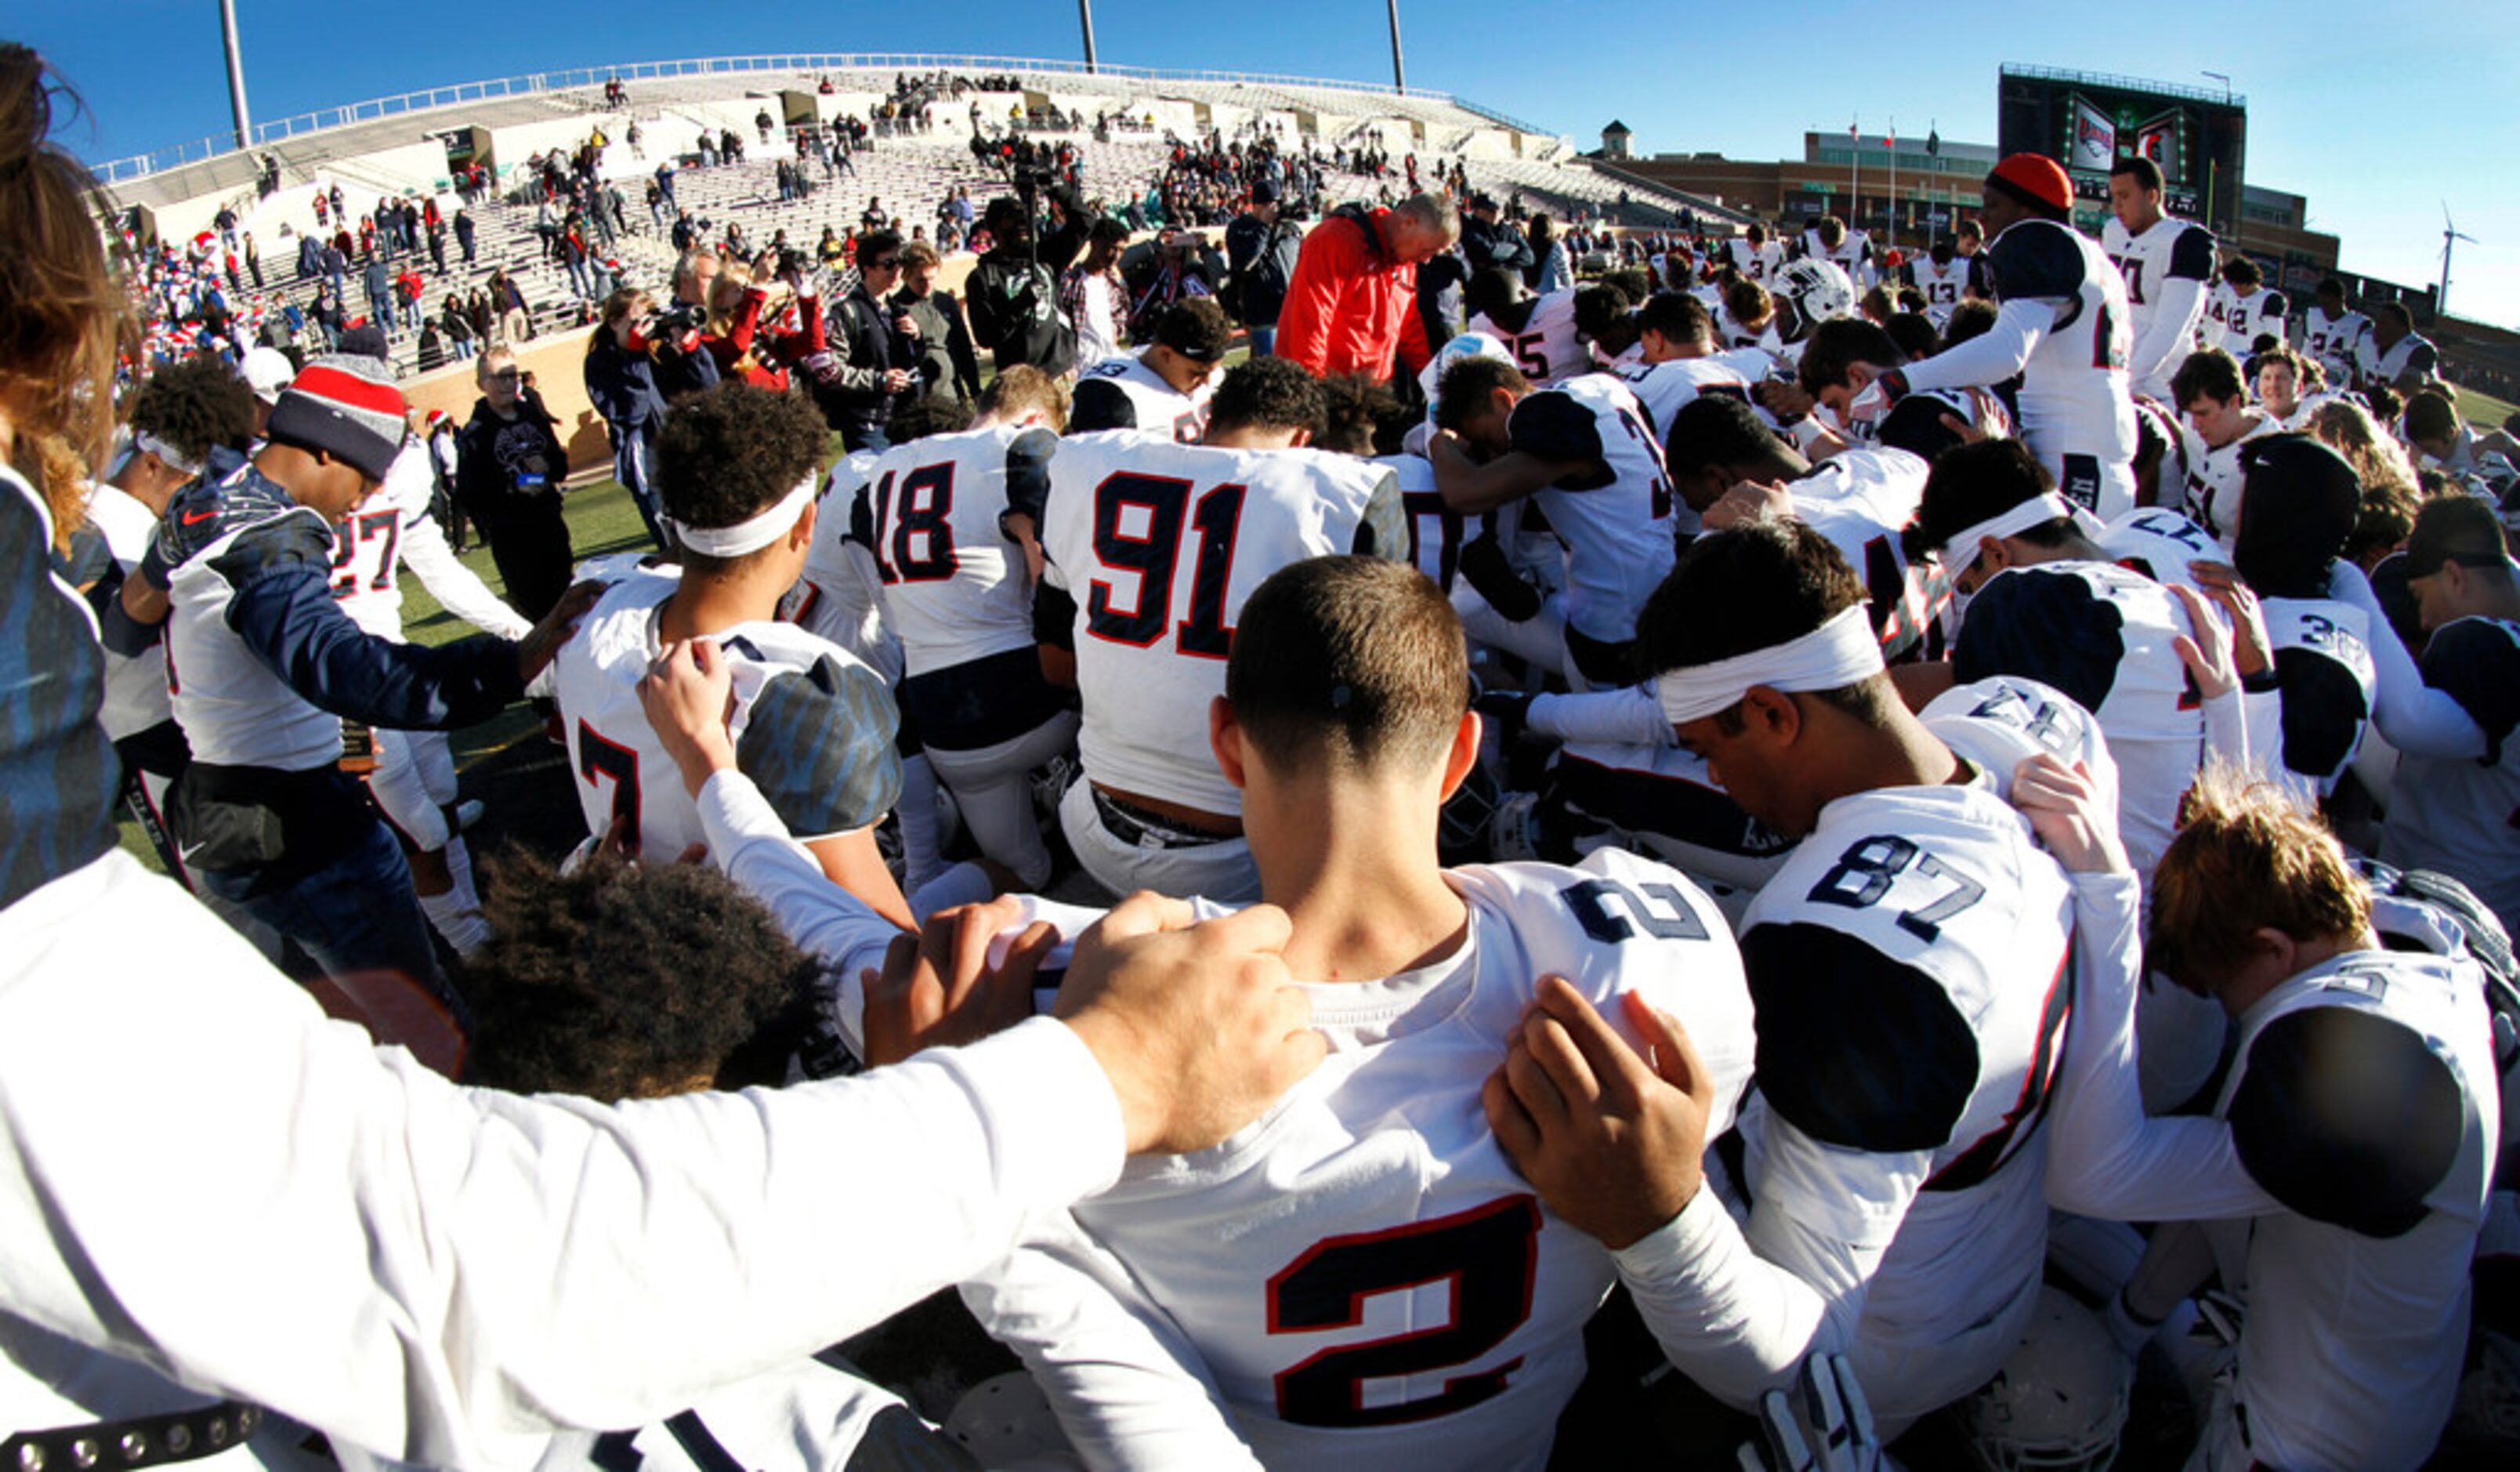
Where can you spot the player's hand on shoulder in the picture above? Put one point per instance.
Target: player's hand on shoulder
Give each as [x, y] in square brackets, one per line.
[1612, 1140]
[688, 694]
[2079, 831]
[1199, 1026]
[938, 990]
[1747, 502]
[2252, 651]
[542, 644]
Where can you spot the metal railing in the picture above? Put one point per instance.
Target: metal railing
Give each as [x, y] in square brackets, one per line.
[2125, 83]
[377, 110]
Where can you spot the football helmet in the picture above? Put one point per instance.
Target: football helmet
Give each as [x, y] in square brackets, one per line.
[2060, 1398]
[1807, 293]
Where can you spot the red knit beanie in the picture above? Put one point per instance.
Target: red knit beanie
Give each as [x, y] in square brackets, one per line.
[2035, 179]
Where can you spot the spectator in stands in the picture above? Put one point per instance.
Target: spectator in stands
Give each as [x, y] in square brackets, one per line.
[464, 233]
[1351, 306]
[1551, 269]
[1260, 250]
[509, 467]
[252, 260]
[379, 283]
[456, 328]
[621, 384]
[948, 364]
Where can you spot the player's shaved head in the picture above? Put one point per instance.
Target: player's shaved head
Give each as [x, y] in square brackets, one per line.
[1350, 660]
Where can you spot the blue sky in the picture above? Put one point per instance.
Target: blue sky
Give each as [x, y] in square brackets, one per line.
[2377, 113]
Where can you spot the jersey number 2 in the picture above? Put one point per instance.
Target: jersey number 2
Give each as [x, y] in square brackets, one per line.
[1484, 1256]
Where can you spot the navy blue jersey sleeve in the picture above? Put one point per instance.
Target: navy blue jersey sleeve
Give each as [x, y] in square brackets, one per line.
[1028, 459]
[2323, 711]
[2191, 254]
[282, 610]
[1554, 426]
[2478, 665]
[819, 743]
[2423, 359]
[1856, 1049]
[2048, 626]
[2034, 261]
[1100, 404]
[861, 517]
[1053, 617]
[2346, 1117]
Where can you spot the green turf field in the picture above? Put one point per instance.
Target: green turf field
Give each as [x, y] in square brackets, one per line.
[2481, 410]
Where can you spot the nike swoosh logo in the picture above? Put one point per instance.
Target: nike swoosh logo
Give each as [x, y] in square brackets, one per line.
[185, 851]
[196, 518]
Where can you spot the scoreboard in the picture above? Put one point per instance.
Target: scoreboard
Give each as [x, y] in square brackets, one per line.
[2087, 122]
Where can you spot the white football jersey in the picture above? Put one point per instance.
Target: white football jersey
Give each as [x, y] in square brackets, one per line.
[2324, 668]
[1861, 500]
[1999, 722]
[1909, 967]
[2160, 543]
[1853, 255]
[1363, 1271]
[930, 513]
[813, 728]
[2173, 250]
[392, 529]
[1758, 263]
[1436, 531]
[2336, 342]
[2411, 353]
[2456, 814]
[1548, 350]
[2075, 401]
[1123, 392]
[234, 710]
[2216, 477]
[2357, 1297]
[2102, 635]
[1942, 287]
[1615, 520]
[1665, 389]
[840, 596]
[1663, 802]
[135, 685]
[2234, 323]
[1158, 544]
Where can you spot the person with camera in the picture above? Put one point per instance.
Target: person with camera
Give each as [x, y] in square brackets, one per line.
[509, 465]
[621, 382]
[1013, 291]
[764, 322]
[872, 362]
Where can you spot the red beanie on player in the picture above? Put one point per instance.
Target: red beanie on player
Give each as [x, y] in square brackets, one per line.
[2036, 180]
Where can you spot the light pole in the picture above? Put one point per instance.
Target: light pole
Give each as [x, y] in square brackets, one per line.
[2213, 170]
[236, 74]
[1399, 81]
[1085, 17]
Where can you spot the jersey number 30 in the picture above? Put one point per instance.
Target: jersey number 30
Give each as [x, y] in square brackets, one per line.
[1484, 1256]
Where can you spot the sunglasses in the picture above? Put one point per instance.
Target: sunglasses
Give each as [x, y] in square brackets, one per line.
[886, 264]
[507, 376]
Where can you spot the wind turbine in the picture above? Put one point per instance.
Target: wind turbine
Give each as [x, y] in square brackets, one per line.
[2451, 235]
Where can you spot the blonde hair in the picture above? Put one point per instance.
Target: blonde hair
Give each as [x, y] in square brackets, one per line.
[2345, 428]
[1023, 387]
[2247, 859]
[63, 315]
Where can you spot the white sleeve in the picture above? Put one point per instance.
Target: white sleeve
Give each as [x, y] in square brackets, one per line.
[1127, 1385]
[2245, 728]
[2413, 716]
[747, 840]
[1736, 1310]
[1627, 716]
[257, 1202]
[2105, 1157]
[457, 588]
[2176, 304]
[1991, 356]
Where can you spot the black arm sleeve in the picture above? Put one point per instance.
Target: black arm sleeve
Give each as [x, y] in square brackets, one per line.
[2478, 665]
[2346, 1117]
[2323, 711]
[1053, 617]
[1028, 459]
[1555, 426]
[2034, 261]
[1856, 1049]
[2044, 626]
[2191, 254]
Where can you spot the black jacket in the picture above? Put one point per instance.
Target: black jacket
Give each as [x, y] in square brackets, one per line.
[848, 376]
[623, 386]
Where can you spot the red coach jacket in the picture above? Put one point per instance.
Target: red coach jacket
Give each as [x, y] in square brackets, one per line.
[1349, 309]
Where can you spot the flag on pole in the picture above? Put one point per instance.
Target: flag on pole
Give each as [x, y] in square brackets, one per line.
[1853, 128]
[1933, 144]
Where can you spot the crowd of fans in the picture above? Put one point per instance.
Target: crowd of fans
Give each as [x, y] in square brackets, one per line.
[1942, 821]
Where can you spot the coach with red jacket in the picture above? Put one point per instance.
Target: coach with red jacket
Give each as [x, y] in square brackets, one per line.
[1351, 307]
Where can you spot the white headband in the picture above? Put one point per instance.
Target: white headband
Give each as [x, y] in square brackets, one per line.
[748, 536]
[1841, 651]
[173, 457]
[1960, 553]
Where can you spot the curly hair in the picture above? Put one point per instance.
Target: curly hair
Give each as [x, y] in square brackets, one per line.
[1355, 414]
[732, 452]
[195, 406]
[1267, 394]
[624, 980]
